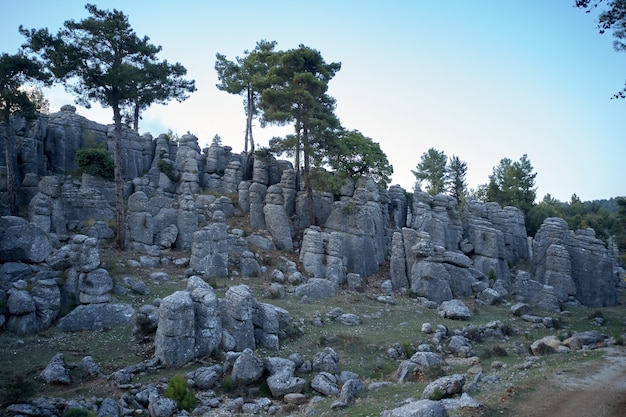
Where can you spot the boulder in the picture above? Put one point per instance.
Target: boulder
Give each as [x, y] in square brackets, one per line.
[96, 317]
[454, 309]
[325, 383]
[276, 218]
[317, 289]
[56, 371]
[282, 381]
[326, 361]
[237, 312]
[444, 387]
[209, 251]
[175, 337]
[247, 368]
[21, 241]
[421, 408]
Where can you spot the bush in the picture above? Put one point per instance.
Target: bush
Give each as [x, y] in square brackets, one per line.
[178, 390]
[95, 161]
[167, 168]
[78, 412]
[18, 389]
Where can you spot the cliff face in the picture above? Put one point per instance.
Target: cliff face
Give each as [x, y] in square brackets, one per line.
[432, 248]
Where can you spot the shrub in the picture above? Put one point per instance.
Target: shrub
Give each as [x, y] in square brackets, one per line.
[17, 390]
[78, 412]
[178, 390]
[407, 349]
[167, 168]
[95, 161]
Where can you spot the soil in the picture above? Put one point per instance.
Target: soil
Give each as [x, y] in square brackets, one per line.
[597, 389]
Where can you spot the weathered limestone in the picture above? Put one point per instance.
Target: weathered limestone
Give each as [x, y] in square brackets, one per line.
[576, 264]
[209, 251]
[276, 218]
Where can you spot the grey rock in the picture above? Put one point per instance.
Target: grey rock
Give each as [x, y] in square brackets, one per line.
[95, 286]
[276, 218]
[459, 346]
[421, 408]
[137, 286]
[350, 390]
[326, 361]
[21, 241]
[317, 289]
[237, 309]
[431, 280]
[444, 387]
[160, 406]
[418, 362]
[209, 251]
[109, 408]
[454, 309]
[247, 369]
[325, 383]
[489, 296]
[205, 377]
[175, 337]
[249, 265]
[520, 309]
[167, 237]
[349, 319]
[573, 262]
[282, 381]
[89, 367]
[535, 293]
[96, 317]
[56, 371]
[589, 339]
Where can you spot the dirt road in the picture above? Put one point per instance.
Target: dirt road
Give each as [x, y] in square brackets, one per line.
[597, 389]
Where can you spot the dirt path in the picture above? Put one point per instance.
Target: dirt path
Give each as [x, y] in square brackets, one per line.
[595, 390]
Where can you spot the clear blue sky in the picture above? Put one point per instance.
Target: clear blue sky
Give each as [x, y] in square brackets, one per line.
[482, 80]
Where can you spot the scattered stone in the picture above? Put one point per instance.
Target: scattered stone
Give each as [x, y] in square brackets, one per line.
[56, 371]
[454, 309]
[444, 387]
[421, 408]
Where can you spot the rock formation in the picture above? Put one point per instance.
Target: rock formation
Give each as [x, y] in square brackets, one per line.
[576, 264]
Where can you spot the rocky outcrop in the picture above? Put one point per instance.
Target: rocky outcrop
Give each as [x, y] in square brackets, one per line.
[576, 264]
[359, 226]
[209, 251]
[21, 241]
[276, 218]
[189, 324]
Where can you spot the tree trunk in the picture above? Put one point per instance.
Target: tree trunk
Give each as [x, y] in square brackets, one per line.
[9, 150]
[250, 110]
[117, 159]
[307, 180]
[136, 118]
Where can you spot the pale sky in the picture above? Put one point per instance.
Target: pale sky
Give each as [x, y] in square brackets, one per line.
[482, 80]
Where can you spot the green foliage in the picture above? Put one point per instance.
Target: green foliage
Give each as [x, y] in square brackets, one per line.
[217, 139]
[355, 155]
[95, 161]
[581, 215]
[511, 184]
[17, 389]
[432, 169]
[407, 349]
[178, 390]
[456, 170]
[79, 412]
[167, 168]
[436, 395]
[247, 76]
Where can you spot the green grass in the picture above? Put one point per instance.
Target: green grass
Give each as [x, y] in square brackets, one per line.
[361, 349]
